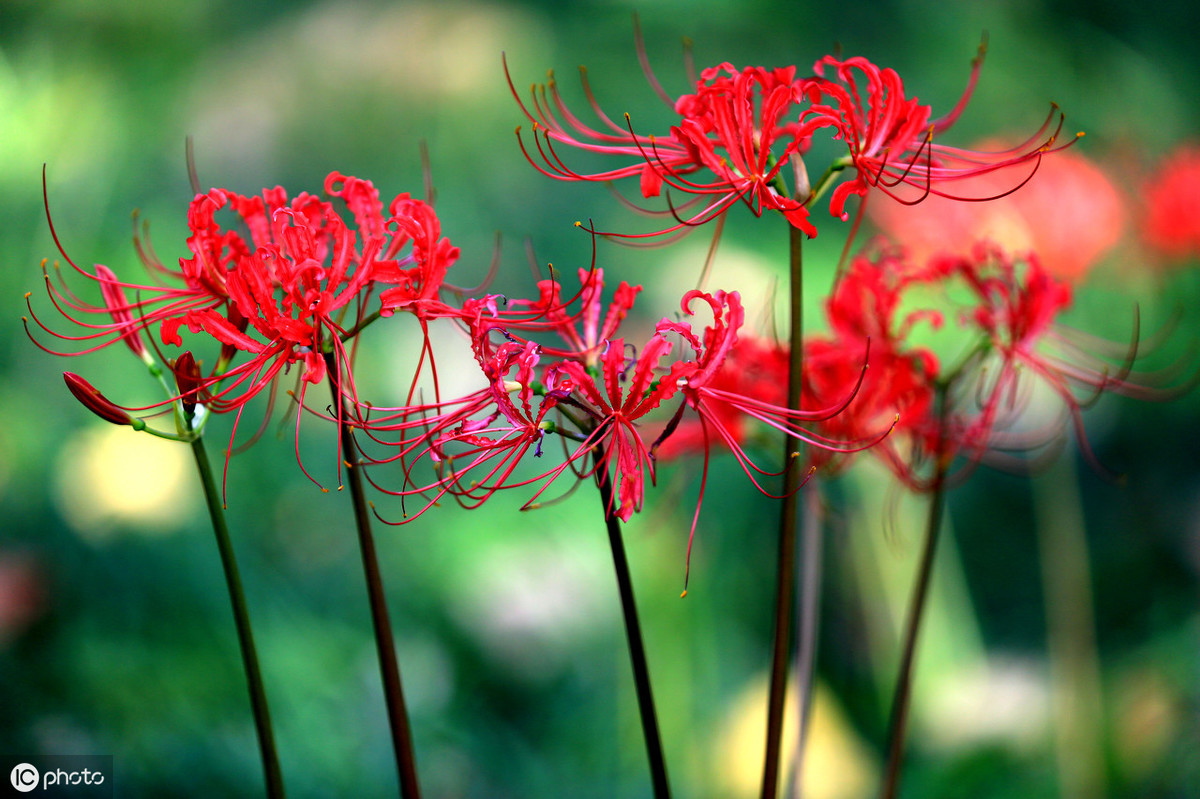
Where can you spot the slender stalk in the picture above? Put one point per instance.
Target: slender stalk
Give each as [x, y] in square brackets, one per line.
[793, 478]
[633, 633]
[385, 644]
[898, 721]
[241, 618]
[1070, 632]
[809, 627]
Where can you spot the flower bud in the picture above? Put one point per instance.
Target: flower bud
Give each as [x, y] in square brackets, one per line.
[189, 380]
[97, 403]
[119, 308]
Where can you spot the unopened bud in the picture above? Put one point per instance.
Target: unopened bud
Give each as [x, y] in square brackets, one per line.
[97, 403]
[189, 381]
[120, 309]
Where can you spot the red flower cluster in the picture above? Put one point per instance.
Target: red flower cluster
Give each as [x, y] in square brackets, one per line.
[1005, 350]
[1009, 352]
[1171, 224]
[745, 127]
[288, 296]
[605, 392]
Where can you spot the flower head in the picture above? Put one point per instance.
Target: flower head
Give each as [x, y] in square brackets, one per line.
[891, 137]
[286, 296]
[1007, 350]
[742, 132]
[1172, 195]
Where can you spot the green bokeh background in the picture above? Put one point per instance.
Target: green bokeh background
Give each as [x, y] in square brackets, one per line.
[114, 629]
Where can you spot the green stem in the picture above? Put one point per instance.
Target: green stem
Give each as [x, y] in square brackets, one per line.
[241, 618]
[1075, 693]
[633, 633]
[810, 619]
[793, 479]
[385, 644]
[358, 328]
[898, 721]
[825, 181]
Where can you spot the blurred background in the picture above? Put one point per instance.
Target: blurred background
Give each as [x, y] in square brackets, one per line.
[1061, 655]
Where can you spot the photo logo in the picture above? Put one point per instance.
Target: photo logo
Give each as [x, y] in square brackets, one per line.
[24, 777]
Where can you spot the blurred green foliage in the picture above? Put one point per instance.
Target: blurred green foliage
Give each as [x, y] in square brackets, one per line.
[114, 626]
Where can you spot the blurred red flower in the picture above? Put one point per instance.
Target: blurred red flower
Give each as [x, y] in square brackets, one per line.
[1171, 221]
[1070, 213]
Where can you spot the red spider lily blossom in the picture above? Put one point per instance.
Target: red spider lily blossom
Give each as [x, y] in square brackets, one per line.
[608, 399]
[1005, 309]
[1171, 196]
[617, 411]
[891, 137]
[290, 295]
[739, 125]
[487, 432]
[484, 433]
[746, 127]
[1016, 304]
[304, 274]
[1070, 213]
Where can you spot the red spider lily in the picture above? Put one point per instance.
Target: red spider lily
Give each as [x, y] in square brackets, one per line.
[289, 296]
[1016, 302]
[891, 137]
[1171, 197]
[497, 432]
[617, 411]
[484, 433]
[487, 418]
[896, 394]
[1070, 213]
[867, 306]
[1013, 344]
[740, 125]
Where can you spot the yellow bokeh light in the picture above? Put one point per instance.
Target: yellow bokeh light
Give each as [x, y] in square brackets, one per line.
[112, 478]
[837, 763]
